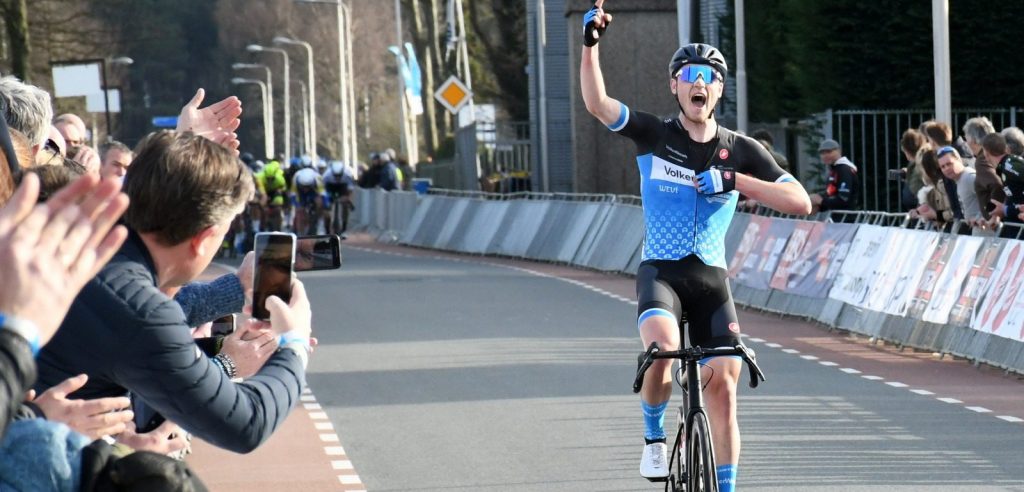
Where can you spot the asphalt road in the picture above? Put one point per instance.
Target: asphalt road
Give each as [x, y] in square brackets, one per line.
[440, 374]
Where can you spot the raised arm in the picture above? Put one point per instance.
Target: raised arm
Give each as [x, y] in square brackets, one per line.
[596, 99]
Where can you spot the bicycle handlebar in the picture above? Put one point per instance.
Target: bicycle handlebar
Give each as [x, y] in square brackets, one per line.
[696, 353]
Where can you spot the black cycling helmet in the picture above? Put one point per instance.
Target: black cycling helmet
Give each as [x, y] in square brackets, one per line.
[699, 53]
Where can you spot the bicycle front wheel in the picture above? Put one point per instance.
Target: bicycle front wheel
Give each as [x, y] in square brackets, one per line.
[701, 475]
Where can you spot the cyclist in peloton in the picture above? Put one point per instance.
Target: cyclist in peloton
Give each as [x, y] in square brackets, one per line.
[272, 187]
[339, 184]
[691, 173]
[306, 194]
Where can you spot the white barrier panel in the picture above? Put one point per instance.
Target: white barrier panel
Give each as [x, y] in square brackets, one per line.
[525, 218]
[616, 240]
[900, 270]
[451, 223]
[417, 222]
[482, 226]
[401, 208]
[977, 281]
[860, 265]
[953, 273]
[1003, 293]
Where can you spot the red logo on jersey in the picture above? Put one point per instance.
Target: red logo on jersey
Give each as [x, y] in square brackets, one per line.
[727, 175]
[734, 327]
[723, 154]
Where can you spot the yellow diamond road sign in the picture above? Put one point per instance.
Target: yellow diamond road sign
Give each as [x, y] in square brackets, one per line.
[453, 94]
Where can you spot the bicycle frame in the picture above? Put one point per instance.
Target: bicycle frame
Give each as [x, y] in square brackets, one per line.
[690, 358]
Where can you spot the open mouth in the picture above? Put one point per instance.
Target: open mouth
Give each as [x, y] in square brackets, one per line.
[699, 100]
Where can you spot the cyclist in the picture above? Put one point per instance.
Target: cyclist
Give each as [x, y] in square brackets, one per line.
[691, 173]
[339, 184]
[272, 187]
[306, 193]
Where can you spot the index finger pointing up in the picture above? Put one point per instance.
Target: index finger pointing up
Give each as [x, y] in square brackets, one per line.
[599, 4]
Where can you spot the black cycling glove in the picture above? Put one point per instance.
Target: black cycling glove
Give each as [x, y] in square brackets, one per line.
[590, 27]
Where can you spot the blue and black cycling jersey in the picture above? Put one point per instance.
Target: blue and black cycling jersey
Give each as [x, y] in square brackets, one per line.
[679, 220]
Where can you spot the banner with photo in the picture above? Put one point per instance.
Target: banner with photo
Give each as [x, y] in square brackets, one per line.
[752, 235]
[951, 282]
[932, 270]
[859, 268]
[804, 235]
[995, 314]
[900, 270]
[977, 282]
[764, 257]
[820, 261]
[734, 235]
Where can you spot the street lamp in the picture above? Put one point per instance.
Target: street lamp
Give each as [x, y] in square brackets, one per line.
[255, 48]
[304, 105]
[346, 91]
[268, 133]
[311, 87]
[268, 107]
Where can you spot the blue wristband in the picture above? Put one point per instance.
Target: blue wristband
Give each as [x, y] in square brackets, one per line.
[23, 328]
[287, 338]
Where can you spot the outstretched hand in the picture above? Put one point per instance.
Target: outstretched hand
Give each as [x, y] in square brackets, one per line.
[216, 122]
[94, 418]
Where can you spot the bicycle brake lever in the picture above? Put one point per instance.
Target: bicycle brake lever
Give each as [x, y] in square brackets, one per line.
[644, 361]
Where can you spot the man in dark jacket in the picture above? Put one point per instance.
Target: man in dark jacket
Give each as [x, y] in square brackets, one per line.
[841, 190]
[127, 335]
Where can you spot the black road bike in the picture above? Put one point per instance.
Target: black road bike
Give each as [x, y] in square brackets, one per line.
[692, 460]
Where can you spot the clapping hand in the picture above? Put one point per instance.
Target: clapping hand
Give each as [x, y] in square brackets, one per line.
[216, 122]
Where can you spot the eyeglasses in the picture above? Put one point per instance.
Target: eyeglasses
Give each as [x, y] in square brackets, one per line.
[689, 73]
[947, 150]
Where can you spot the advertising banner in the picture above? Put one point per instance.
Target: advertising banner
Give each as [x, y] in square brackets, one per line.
[977, 282]
[804, 234]
[859, 267]
[947, 290]
[900, 270]
[932, 270]
[752, 235]
[760, 264]
[1004, 289]
[820, 261]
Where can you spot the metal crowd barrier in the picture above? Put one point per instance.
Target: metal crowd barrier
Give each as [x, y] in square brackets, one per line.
[605, 232]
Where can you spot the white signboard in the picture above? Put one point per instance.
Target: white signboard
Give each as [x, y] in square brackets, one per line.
[94, 102]
[947, 289]
[860, 265]
[77, 80]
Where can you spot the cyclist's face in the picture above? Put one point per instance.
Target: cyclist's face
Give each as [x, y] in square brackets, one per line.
[697, 98]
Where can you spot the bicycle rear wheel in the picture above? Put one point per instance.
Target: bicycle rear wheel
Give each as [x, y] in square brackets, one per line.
[701, 475]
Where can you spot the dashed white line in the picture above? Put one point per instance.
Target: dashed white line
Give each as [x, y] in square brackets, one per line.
[873, 378]
[809, 357]
[1010, 418]
[318, 415]
[324, 426]
[311, 406]
[309, 398]
[332, 437]
[827, 363]
[772, 345]
[758, 340]
[791, 351]
[949, 400]
[334, 450]
[922, 392]
[979, 409]
[349, 479]
[849, 370]
[895, 384]
[341, 465]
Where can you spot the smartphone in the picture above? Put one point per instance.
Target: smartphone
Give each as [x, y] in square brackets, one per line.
[223, 326]
[318, 253]
[275, 259]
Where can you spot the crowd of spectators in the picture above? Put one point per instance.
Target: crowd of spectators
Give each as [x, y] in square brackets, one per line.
[976, 180]
[104, 374]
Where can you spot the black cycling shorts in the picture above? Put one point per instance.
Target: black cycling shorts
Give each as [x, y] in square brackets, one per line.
[692, 291]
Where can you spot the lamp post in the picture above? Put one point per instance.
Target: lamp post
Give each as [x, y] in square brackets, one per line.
[304, 106]
[268, 106]
[268, 133]
[310, 134]
[255, 48]
[346, 98]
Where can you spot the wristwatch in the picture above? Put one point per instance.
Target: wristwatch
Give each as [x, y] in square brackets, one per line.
[22, 327]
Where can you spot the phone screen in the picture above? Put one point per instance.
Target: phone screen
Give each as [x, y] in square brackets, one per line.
[318, 253]
[275, 253]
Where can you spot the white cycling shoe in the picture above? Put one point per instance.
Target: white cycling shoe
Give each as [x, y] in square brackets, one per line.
[654, 463]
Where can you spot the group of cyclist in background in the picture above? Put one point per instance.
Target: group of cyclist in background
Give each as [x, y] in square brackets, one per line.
[307, 197]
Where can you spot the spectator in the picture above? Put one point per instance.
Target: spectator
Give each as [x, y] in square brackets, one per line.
[841, 190]
[26, 109]
[53, 178]
[128, 335]
[988, 185]
[953, 168]
[1014, 140]
[115, 157]
[370, 177]
[934, 202]
[21, 152]
[941, 135]
[765, 138]
[72, 128]
[1011, 169]
[390, 174]
[912, 180]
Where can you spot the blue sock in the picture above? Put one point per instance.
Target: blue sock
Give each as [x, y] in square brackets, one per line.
[654, 420]
[727, 477]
